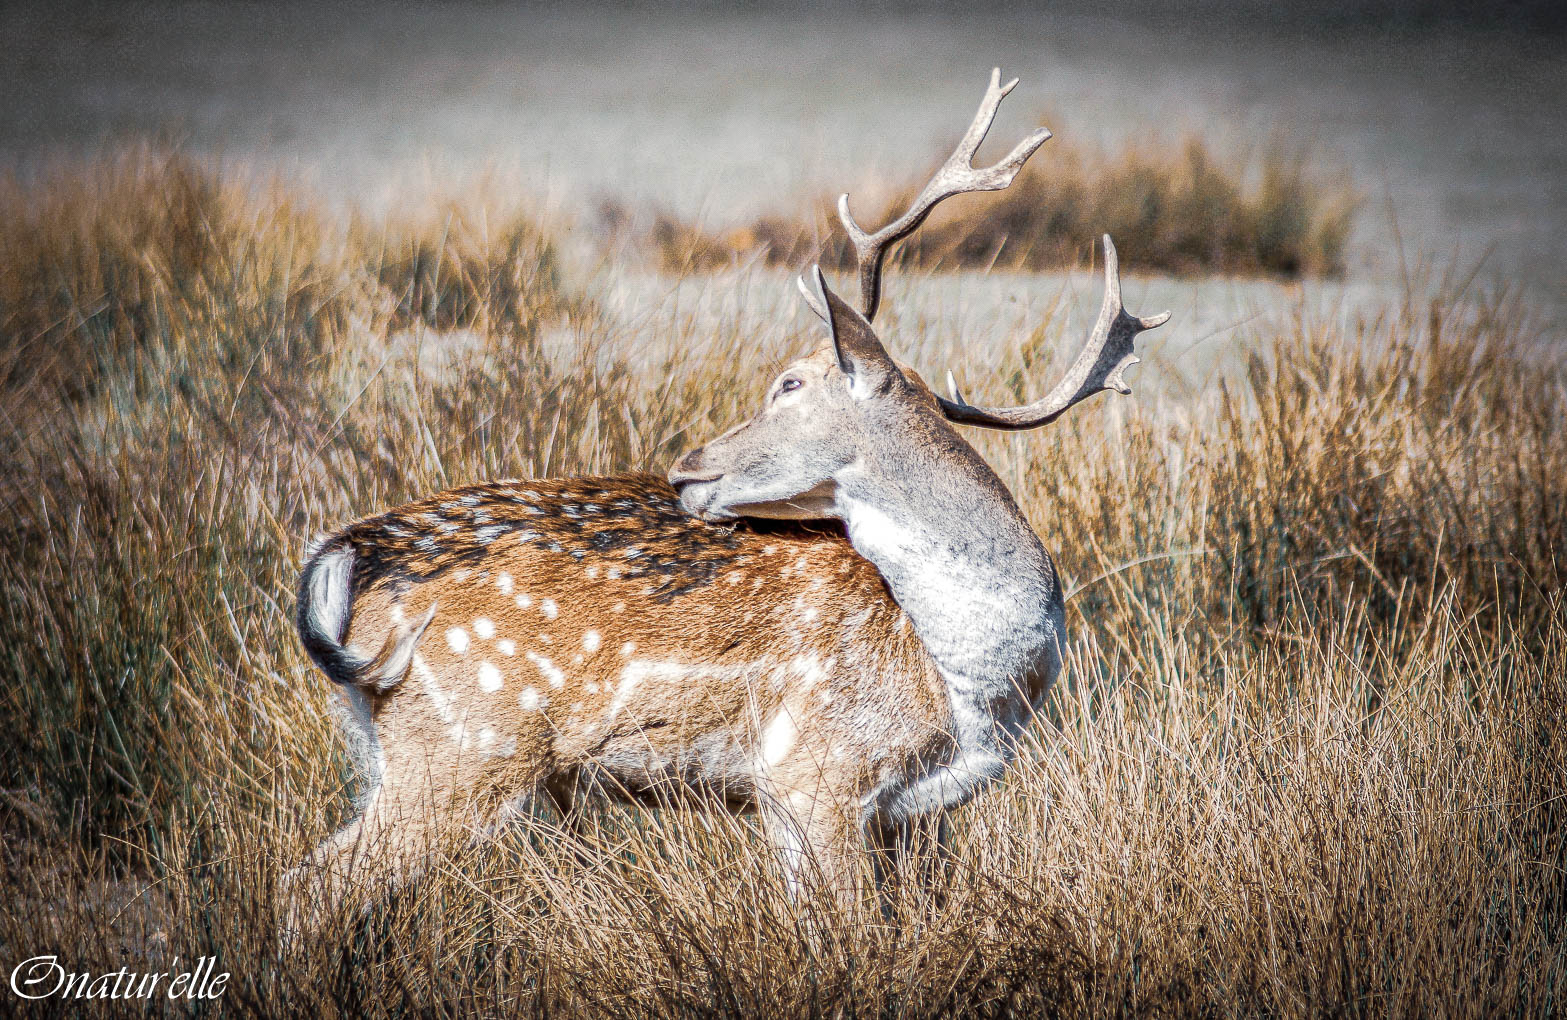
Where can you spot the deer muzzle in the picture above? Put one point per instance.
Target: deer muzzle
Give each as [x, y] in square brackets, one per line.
[694, 483]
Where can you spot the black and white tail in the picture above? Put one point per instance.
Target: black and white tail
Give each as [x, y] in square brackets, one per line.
[326, 599]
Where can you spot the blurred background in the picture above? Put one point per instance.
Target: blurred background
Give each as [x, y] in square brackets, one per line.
[1441, 120]
[267, 268]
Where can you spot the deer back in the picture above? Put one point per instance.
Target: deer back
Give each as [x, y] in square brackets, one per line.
[591, 622]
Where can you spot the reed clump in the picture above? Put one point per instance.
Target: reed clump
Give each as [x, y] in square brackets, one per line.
[1306, 756]
[1181, 209]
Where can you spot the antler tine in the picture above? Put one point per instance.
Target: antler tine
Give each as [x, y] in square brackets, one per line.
[1099, 366]
[813, 302]
[957, 176]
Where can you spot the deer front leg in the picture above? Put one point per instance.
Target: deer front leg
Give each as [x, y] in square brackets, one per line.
[819, 842]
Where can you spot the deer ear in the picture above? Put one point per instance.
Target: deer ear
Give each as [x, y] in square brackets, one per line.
[861, 357]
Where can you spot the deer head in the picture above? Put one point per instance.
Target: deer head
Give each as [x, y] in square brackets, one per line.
[841, 413]
[849, 417]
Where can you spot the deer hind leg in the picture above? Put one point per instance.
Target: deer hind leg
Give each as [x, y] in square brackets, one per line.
[424, 801]
[380, 851]
[316, 889]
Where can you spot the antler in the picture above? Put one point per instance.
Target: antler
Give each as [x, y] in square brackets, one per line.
[1099, 365]
[1109, 350]
[957, 176]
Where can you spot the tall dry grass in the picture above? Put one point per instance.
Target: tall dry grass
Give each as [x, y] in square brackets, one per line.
[1308, 755]
[1179, 209]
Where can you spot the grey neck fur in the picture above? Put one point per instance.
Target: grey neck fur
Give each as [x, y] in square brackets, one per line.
[982, 594]
[964, 564]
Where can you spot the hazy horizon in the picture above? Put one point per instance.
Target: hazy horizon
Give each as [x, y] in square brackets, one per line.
[1449, 128]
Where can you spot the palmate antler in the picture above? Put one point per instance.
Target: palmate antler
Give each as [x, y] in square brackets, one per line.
[957, 176]
[1099, 365]
[1109, 350]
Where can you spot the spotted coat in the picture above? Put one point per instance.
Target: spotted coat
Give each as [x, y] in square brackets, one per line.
[587, 635]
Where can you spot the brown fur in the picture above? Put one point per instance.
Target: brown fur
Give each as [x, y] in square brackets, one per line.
[638, 652]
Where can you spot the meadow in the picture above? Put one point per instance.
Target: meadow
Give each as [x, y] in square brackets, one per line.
[1308, 756]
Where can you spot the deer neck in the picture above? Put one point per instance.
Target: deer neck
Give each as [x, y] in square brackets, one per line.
[964, 564]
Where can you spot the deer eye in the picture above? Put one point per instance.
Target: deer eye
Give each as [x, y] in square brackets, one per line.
[788, 386]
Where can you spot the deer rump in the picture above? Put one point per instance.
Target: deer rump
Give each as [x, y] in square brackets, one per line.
[562, 636]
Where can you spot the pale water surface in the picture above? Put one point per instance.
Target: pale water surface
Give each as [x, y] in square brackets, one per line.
[1455, 138]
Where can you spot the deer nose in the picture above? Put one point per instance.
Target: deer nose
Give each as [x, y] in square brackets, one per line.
[689, 469]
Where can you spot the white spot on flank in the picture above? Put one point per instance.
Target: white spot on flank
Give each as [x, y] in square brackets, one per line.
[620, 607]
[486, 737]
[549, 609]
[529, 699]
[591, 641]
[462, 575]
[457, 640]
[396, 614]
[547, 669]
[523, 601]
[593, 572]
[777, 739]
[442, 700]
[591, 687]
[613, 573]
[503, 582]
[629, 678]
[627, 649]
[809, 669]
[733, 577]
[506, 646]
[768, 550]
[489, 677]
[484, 627]
[545, 639]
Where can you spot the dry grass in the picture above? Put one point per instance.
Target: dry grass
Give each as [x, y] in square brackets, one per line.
[1179, 209]
[1313, 764]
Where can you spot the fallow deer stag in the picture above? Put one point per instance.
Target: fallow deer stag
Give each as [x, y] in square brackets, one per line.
[636, 636]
